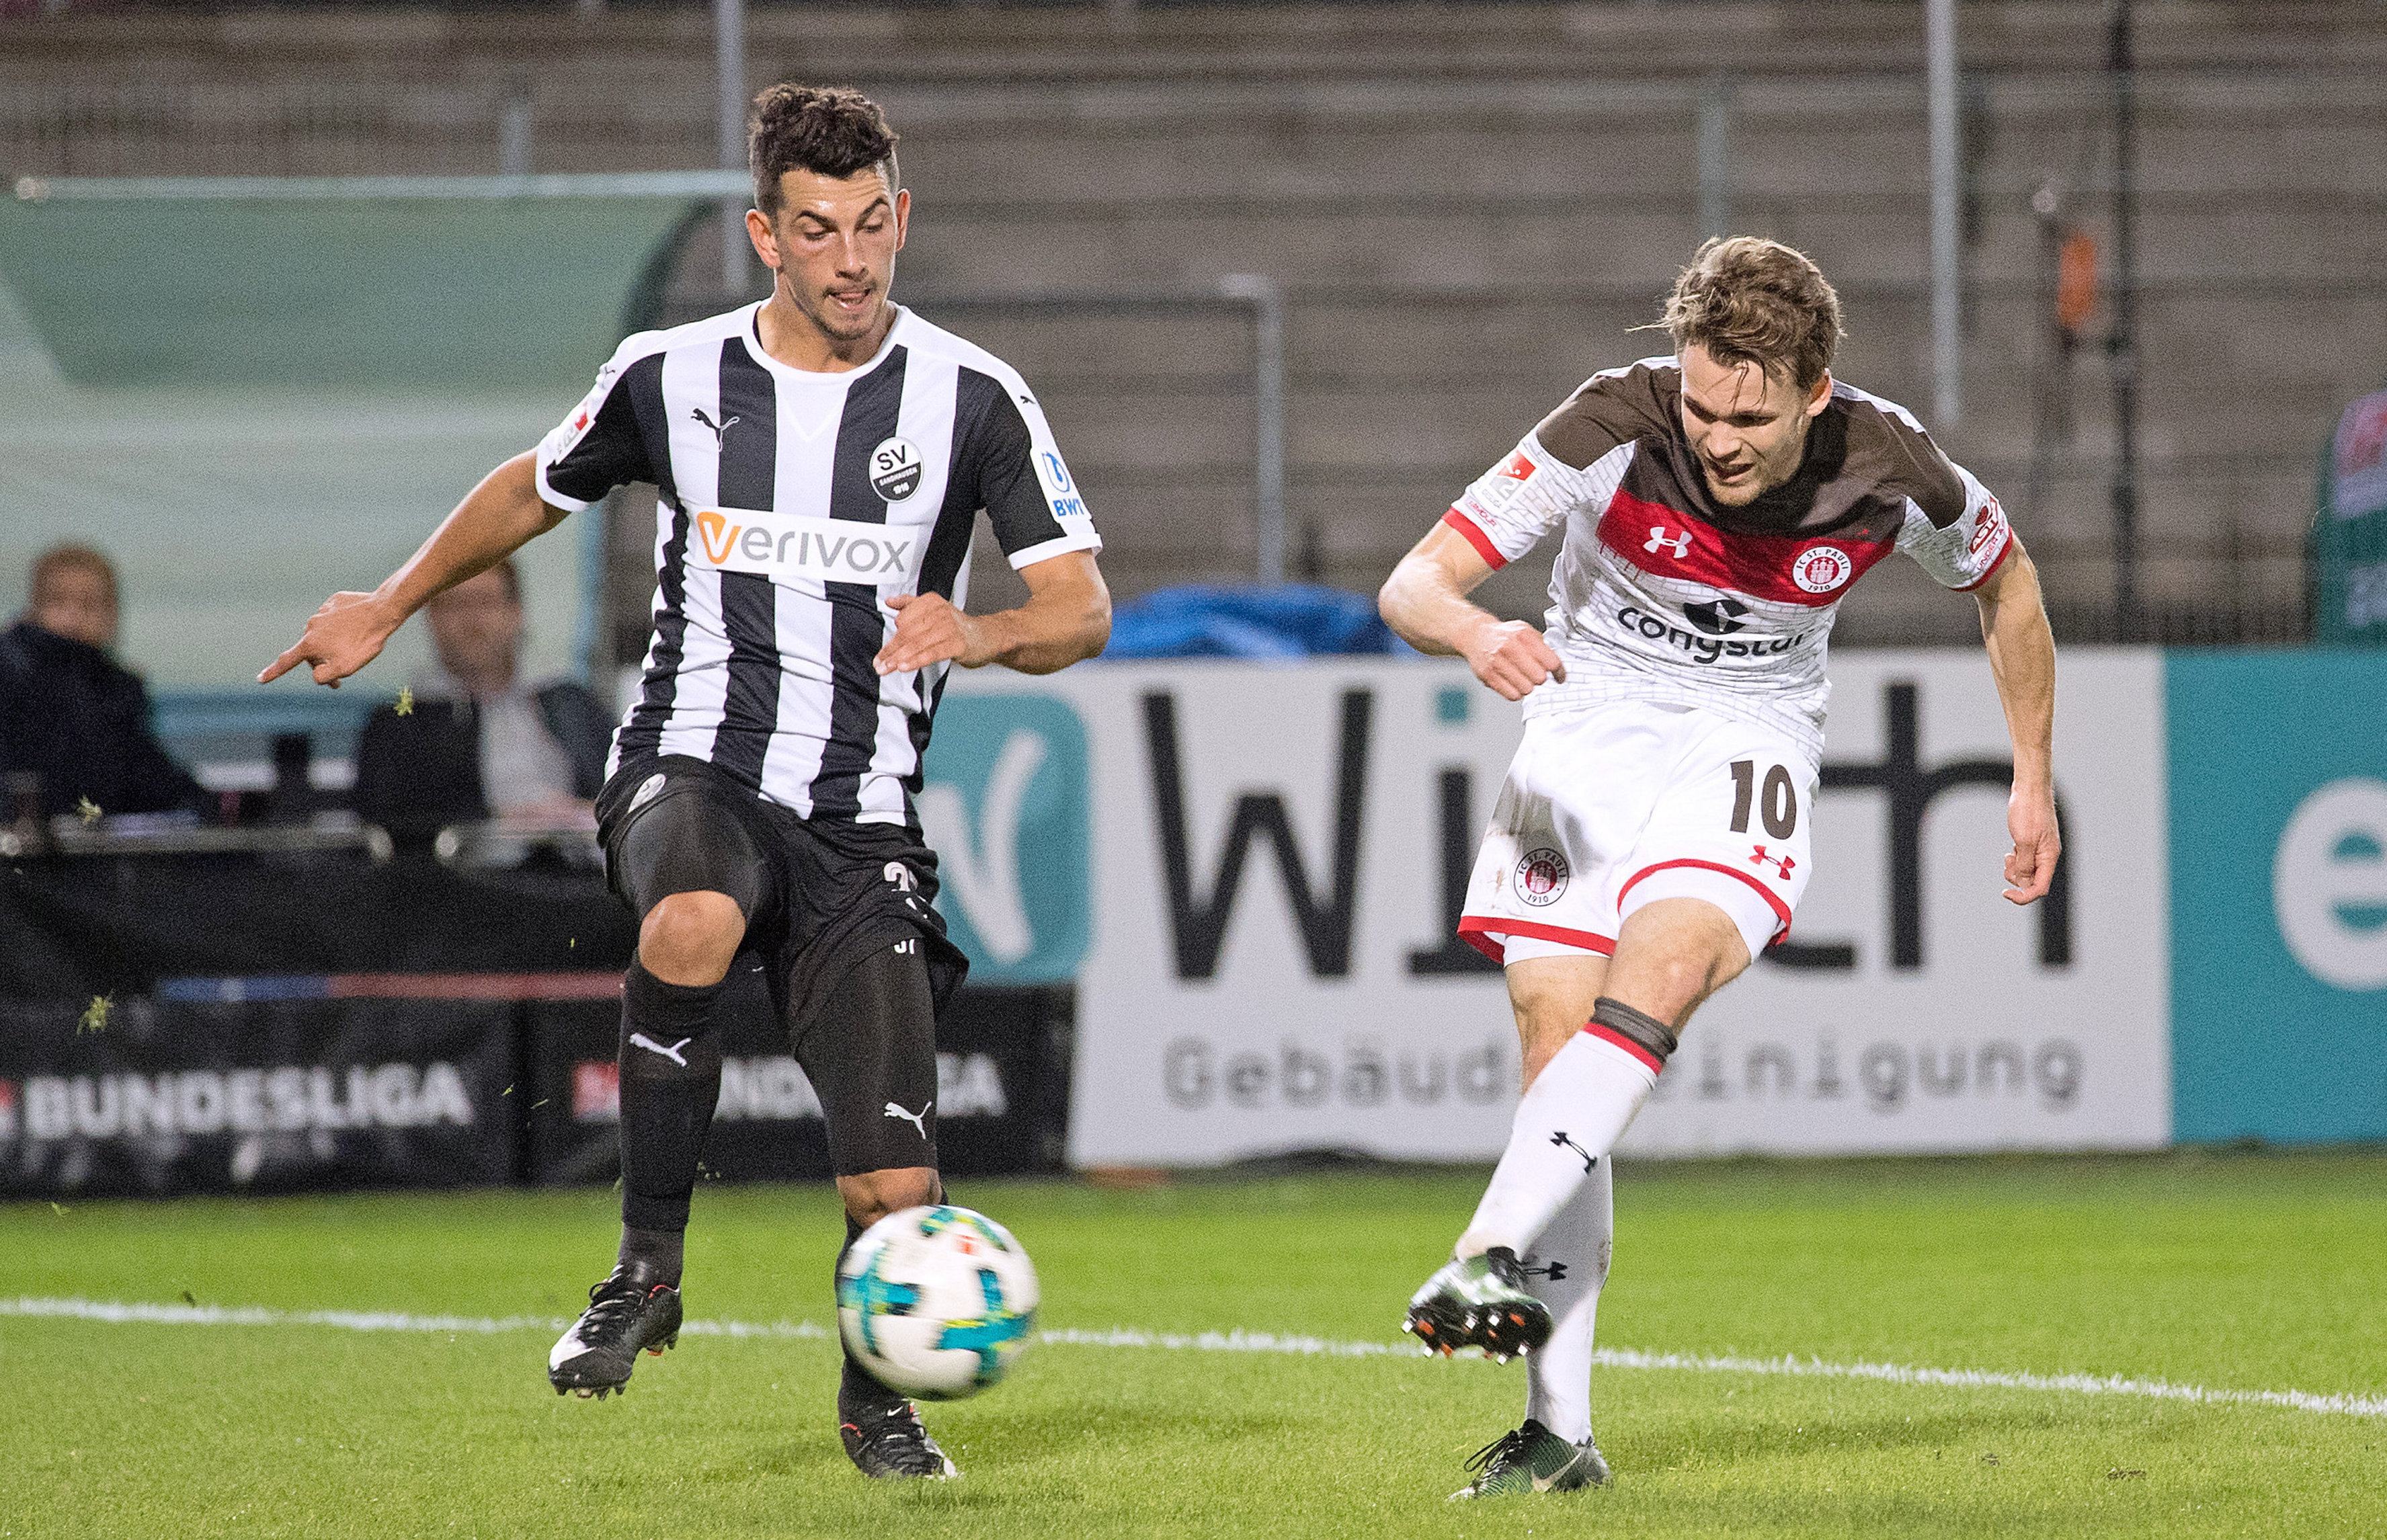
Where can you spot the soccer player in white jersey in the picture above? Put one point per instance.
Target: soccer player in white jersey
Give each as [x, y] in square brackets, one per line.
[1652, 837]
[822, 456]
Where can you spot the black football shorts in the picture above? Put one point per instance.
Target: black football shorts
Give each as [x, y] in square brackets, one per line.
[840, 916]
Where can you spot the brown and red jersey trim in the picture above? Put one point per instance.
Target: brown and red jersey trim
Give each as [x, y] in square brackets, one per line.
[1663, 542]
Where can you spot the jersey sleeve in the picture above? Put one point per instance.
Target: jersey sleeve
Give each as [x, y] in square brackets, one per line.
[1574, 460]
[1023, 483]
[1961, 552]
[599, 446]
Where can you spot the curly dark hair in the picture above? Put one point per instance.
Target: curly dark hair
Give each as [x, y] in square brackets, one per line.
[828, 129]
[1750, 300]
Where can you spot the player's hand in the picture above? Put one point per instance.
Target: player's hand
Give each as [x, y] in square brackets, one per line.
[2030, 868]
[1512, 658]
[928, 629]
[345, 633]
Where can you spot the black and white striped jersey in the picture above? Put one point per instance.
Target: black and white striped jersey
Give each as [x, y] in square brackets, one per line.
[795, 504]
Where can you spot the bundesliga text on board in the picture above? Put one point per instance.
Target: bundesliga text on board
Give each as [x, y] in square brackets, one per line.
[773, 1089]
[280, 1099]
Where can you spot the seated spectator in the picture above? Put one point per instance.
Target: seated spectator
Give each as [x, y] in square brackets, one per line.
[478, 743]
[70, 716]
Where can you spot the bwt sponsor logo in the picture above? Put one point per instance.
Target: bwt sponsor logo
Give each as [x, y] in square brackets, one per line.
[1195, 1076]
[285, 1099]
[775, 1090]
[1886, 1075]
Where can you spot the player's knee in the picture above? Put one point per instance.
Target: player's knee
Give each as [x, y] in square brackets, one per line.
[690, 938]
[1550, 997]
[872, 1196]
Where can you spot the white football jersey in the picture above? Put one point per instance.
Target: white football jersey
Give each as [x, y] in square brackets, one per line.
[1661, 593]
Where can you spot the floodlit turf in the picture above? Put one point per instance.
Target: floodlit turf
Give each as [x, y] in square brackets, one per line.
[2240, 1272]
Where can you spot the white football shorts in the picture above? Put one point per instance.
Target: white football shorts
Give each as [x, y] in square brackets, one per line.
[1618, 804]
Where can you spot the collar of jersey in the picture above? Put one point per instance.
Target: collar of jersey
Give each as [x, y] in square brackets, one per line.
[749, 332]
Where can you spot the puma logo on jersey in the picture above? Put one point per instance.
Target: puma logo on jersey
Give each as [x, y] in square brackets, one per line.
[1659, 540]
[918, 1119]
[641, 1040]
[718, 428]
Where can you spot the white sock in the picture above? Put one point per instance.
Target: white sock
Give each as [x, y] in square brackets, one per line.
[1576, 1110]
[1567, 1268]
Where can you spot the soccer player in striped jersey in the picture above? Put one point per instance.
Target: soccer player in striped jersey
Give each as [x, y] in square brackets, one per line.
[1652, 838]
[822, 458]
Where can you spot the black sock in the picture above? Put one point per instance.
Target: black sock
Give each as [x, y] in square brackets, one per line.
[670, 1080]
[857, 1391]
[651, 1257]
[858, 1396]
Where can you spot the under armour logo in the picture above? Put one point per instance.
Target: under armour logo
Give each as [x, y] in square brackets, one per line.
[718, 428]
[1659, 540]
[641, 1040]
[1556, 1272]
[1589, 1159]
[1759, 858]
[918, 1119]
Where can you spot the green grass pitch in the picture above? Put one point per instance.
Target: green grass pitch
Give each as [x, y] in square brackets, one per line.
[2238, 1272]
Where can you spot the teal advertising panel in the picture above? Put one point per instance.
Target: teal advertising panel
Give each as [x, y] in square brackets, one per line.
[1005, 807]
[2278, 895]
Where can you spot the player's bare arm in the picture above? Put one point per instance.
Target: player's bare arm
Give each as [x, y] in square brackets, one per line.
[1066, 619]
[495, 519]
[1425, 601]
[2022, 657]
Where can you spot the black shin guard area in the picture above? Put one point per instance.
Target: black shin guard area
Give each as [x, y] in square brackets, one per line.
[1642, 1027]
[670, 1079]
[871, 1054]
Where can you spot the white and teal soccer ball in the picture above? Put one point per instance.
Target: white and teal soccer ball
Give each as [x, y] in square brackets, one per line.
[937, 1302]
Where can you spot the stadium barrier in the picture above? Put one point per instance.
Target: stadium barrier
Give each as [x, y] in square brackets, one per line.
[1210, 907]
[297, 1083]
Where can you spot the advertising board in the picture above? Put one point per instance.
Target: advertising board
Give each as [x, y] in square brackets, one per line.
[161, 1098]
[2278, 895]
[1277, 856]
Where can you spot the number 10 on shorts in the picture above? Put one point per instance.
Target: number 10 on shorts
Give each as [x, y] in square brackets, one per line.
[1776, 801]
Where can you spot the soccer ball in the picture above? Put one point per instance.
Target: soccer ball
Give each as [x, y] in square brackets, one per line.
[936, 1303]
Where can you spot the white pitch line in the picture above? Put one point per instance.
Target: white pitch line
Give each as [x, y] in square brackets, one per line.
[119, 1313]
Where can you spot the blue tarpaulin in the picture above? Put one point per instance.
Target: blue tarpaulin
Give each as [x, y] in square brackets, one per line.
[1205, 620]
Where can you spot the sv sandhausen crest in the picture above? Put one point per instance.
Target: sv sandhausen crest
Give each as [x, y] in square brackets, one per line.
[896, 469]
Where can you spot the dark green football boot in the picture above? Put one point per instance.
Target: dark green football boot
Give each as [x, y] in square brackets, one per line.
[1531, 1458]
[1478, 1302]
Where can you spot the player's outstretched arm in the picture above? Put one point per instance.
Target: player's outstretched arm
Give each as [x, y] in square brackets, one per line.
[495, 519]
[1067, 617]
[2022, 656]
[1425, 600]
